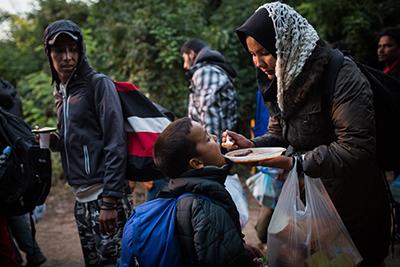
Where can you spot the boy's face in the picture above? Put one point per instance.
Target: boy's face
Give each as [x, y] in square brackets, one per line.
[208, 150]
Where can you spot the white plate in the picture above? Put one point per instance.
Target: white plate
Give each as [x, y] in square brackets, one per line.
[254, 154]
[44, 130]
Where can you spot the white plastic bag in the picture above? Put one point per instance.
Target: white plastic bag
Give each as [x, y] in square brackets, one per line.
[235, 189]
[265, 187]
[38, 213]
[308, 235]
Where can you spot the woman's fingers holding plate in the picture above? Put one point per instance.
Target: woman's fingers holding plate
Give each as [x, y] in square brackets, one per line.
[281, 162]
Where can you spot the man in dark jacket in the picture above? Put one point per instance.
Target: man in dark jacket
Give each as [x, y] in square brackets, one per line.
[91, 140]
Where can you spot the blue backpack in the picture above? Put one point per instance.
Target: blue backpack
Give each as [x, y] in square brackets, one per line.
[149, 235]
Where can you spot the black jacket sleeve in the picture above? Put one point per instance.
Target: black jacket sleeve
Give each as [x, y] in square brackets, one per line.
[110, 117]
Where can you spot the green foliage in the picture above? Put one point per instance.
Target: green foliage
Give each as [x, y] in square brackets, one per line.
[355, 24]
[39, 109]
[139, 41]
[37, 99]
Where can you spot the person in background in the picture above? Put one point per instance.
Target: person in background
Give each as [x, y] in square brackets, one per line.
[389, 51]
[389, 54]
[212, 95]
[212, 101]
[336, 144]
[20, 226]
[7, 251]
[91, 139]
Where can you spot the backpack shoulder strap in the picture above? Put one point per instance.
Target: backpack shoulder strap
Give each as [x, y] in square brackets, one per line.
[188, 194]
[331, 72]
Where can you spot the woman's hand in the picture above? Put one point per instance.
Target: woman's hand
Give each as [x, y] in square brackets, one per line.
[238, 140]
[281, 162]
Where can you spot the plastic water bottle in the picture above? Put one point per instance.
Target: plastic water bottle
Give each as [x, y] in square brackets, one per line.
[6, 154]
[7, 151]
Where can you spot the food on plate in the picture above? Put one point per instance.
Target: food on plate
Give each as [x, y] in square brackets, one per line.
[256, 154]
[242, 153]
[228, 142]
[246, 153]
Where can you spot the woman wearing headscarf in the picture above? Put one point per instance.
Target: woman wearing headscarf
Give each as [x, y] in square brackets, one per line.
[332, 141]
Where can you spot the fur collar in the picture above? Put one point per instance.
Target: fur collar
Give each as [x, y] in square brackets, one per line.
[295, 96]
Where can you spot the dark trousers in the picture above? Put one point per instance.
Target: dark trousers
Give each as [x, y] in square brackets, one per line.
[21, 230]
[7, 256]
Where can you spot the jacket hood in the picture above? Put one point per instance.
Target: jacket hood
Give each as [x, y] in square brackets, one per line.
[209, 56]
[208, 181]
[69, 27]
[219, 173]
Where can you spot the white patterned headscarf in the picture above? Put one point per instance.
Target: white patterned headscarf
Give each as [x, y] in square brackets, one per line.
[295, 41]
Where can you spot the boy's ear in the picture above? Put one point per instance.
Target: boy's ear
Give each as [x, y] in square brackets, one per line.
[195, 163]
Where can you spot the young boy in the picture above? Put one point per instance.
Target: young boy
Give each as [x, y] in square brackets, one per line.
[208, 227]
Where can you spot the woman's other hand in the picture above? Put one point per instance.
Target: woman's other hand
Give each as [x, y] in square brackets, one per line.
[282, 162]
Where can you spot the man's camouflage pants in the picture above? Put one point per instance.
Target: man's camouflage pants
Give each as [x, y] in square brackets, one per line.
[99, 249]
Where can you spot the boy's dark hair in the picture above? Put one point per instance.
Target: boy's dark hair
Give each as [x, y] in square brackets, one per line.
[393, 32]
[193, 44]
[173, 149]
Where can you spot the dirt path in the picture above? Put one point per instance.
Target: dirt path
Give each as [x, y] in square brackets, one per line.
[58, 238]
[57, 233]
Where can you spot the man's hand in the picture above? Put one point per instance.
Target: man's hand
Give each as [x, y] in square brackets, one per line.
[239, 141]
[54, 137]
[108, 216]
